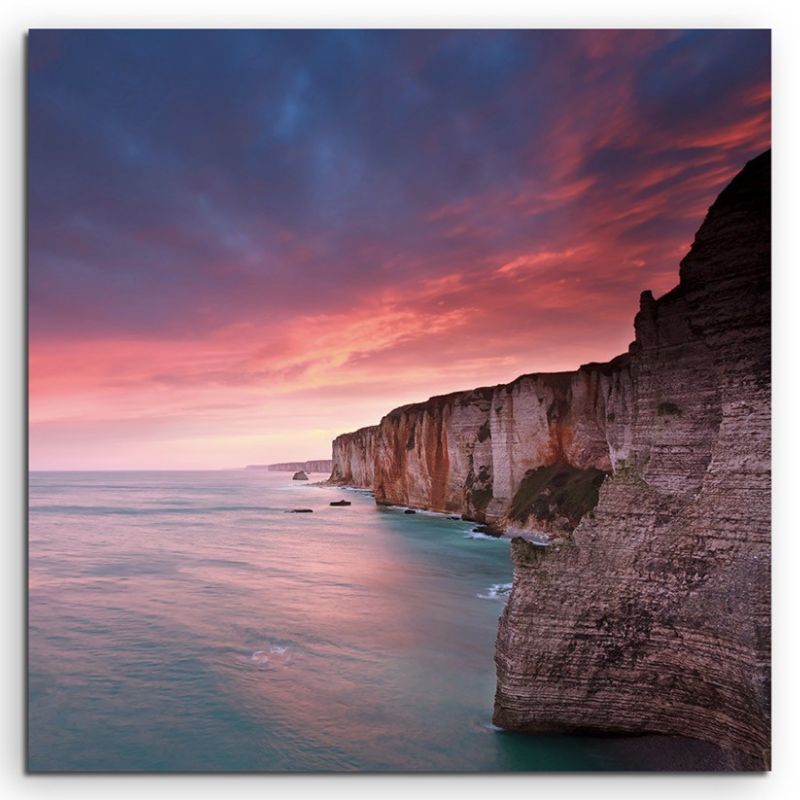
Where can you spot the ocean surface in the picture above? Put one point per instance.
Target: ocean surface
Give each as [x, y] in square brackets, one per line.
[184, 621]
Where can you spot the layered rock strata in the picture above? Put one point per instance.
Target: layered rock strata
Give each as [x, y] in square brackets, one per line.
[354, 456]
[646, 605]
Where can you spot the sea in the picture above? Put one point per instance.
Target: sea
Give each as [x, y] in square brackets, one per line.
[190, 622]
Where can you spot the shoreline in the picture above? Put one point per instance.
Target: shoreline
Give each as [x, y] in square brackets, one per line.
[617, 752]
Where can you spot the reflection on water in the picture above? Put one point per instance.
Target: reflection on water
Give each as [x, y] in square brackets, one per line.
[184, 621]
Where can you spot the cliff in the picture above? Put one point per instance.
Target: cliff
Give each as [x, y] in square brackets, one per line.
[645, 607]
[320, 465]
[354, 457]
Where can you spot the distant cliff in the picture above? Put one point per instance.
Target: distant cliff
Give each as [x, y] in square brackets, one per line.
[320, 465]
[648, 608]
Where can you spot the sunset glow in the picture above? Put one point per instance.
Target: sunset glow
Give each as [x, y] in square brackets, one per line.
[242, 244]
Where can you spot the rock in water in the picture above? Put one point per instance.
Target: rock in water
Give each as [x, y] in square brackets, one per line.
[653, 615]
[341, 503]
[300, 476]
[488, 530]
[302, 511]
[409, 511]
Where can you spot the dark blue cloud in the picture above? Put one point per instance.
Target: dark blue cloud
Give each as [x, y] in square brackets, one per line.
[181, 179]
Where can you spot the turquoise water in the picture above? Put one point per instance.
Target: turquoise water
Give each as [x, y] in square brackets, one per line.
[183, 621]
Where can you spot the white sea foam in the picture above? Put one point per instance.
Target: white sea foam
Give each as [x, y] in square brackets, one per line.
[497, 591]
[260, 657]
[537, 538]
[427, 513]
[354, 489]
[274, 656]
[478, 535]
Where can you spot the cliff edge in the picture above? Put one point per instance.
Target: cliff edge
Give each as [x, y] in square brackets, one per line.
[646, 605]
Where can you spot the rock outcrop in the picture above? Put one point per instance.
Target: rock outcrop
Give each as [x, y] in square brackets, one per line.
[646, 605]
[300, 475]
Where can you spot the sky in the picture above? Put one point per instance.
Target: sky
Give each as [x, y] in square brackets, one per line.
[243, 243]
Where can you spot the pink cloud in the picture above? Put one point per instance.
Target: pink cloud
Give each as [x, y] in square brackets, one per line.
[295, 338]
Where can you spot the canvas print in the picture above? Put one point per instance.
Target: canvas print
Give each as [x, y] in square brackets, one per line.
[399, 400]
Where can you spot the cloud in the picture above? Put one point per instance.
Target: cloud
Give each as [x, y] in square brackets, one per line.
[227, 228]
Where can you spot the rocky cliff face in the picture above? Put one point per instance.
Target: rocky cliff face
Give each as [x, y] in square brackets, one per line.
[645, 606]
[476, 452]
[354, 457]
[654, 616]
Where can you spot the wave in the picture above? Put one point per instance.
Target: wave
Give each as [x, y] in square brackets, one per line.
[273, 656]
[260, 657]
[497, 591]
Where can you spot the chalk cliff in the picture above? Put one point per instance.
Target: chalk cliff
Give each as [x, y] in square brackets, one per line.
[320, 465]
[354, 457]
[646, 608]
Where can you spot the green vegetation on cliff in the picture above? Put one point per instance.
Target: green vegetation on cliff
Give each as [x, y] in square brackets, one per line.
[557, 490]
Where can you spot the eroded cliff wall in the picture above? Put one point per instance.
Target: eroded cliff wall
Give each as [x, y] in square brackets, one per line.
[655, 615]
[471, 452]
[354, 458]
[648, 608]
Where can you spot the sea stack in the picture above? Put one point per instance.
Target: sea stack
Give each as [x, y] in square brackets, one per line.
[300, 475]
